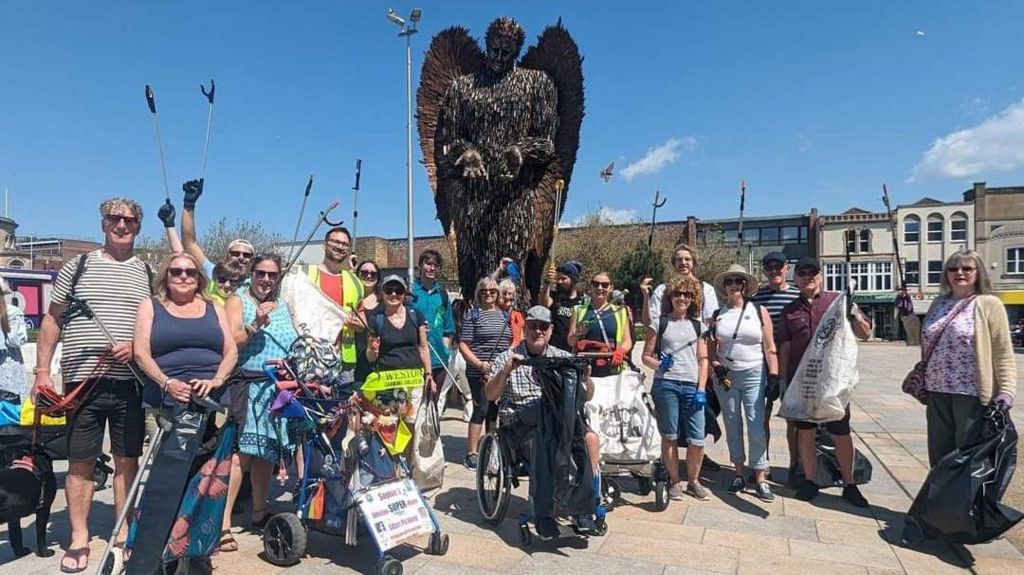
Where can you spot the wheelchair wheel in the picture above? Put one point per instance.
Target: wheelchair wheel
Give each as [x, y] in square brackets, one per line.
[99, 478]
[611, 492]
[493, 481]
[284, 539]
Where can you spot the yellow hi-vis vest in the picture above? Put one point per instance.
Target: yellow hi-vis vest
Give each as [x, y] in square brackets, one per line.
[621, 319]
[351, 294]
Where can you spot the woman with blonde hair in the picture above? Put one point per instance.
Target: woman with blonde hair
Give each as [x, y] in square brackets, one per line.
[969, 355]
[486, 332]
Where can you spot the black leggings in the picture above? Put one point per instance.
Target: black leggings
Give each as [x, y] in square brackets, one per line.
[483, 410]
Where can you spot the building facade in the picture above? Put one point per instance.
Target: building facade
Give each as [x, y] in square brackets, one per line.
[791, 234]
[998, 234]
[929, 231]
[867, 238]
[48, 253]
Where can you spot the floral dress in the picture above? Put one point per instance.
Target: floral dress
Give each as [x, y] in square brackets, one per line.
[953, 365]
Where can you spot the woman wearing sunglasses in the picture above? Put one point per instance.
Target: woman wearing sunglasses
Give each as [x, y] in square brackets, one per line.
[676, 351]
[603, 322]
[182, 340]
[262, 328]
[369, 275]
[741, 342]
[486, 332]
[227, 278]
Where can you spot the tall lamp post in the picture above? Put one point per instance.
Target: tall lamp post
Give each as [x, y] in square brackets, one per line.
[408, 29]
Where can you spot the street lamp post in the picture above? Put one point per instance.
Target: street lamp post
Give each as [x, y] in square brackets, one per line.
[408, 29]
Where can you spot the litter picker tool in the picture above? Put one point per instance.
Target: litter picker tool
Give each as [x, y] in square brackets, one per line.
[895, 244]
[658, 202]
[559, 187]
[321, 220]
[151, 102]
[739, 232]
[302, 209]
[209, 124]
[78, 307]
[355, 201]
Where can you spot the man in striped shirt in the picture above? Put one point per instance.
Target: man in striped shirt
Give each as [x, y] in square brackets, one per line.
[774, 296]
[113, 282]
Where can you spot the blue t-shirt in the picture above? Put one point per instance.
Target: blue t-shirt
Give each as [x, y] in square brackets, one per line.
[430, 305]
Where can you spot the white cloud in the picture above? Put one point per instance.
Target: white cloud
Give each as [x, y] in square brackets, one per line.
[996, 144]
[607, 215]
[657, 157]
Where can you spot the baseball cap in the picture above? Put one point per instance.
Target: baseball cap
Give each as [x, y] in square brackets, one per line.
[394, 278]
[774, 257]
[538, 313]
[808, 262]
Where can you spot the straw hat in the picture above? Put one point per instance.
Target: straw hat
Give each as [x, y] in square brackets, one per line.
[736, 270]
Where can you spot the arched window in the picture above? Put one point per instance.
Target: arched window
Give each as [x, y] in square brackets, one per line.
[958, 228]
[911, 230]
[935, 225]
[16, 264]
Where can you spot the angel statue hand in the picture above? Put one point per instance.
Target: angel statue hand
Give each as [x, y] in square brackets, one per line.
[513, 161]
[472, 165]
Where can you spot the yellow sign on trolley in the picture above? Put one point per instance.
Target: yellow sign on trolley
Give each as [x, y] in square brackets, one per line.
[392, 428]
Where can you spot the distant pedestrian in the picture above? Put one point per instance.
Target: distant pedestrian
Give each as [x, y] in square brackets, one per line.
[15, 335]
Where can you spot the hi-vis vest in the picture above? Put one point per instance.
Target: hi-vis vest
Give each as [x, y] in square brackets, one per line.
[619, 312]
[351, 294]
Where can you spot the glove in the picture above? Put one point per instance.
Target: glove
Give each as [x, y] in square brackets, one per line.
[666, 362]
[618, 356]
[166, 214]
[193, 189]
[772, 391]
[700, 399]
[1004, 401]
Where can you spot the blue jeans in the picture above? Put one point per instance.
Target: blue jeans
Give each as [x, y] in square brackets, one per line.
[745, 401]
[673, 406]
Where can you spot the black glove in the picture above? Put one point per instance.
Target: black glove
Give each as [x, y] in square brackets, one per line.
[193, 189]
[166, 214]
[772, 392]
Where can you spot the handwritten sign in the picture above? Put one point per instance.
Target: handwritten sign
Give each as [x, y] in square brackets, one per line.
[394, 512]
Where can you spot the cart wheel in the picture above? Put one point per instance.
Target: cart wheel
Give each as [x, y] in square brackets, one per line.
[114, 564]
[284, 539]
[186, 566]
[643, 486]
[389, 566]
[602, 527]
[661, 495]
[612, 492]
[525, 536]
[99, 478]
[438, 544]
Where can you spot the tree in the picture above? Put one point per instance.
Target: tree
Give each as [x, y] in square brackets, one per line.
[217, 237]
[639, 263]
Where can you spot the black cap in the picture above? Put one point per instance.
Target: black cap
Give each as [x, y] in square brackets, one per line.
[774, 257]
[808, 262]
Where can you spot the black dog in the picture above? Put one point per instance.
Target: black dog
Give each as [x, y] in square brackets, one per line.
[27, 486]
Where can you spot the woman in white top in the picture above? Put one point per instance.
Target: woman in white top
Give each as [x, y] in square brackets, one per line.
[12, 366]
[741, 343]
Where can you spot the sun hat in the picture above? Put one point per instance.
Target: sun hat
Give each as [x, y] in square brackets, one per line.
[736, 270]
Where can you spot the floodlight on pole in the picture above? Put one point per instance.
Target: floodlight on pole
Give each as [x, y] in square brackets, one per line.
[407, 32]
[394, 17]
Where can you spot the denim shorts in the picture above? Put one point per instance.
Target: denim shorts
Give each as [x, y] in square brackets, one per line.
[672, 404]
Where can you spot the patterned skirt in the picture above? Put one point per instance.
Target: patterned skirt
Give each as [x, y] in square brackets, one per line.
[264, 435]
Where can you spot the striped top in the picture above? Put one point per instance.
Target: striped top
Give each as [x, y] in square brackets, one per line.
[113, 290]
[774, 301]
[487, 333]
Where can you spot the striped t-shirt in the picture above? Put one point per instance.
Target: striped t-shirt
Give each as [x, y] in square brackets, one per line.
[774, 301]
[113, 290]
[487, 333]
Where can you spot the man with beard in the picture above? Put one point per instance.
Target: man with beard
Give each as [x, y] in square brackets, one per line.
[560, 295]
[337, 283]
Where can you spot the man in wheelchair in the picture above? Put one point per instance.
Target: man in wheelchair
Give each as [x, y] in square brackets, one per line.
[515, 385]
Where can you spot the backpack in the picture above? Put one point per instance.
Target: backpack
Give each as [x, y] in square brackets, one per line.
[663, 325]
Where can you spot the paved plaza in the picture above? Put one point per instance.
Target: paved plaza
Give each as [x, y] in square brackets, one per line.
[729, 534]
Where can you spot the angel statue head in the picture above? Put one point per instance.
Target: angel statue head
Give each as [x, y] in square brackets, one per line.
[504, 39]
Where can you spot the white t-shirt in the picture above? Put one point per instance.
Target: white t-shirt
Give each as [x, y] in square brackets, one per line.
[743, 352]
[680, 340]
[710, 302]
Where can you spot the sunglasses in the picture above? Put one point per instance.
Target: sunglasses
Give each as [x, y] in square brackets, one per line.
[190, 273]
[260, 274]
[240, 254]
[685, 294]
[604, 285]
[113, 219]
[229, 281]
[734, 281]
[538, 325]
[394, 290]
[367, 274]
[806, 273]
[489, 291]
[962, 269]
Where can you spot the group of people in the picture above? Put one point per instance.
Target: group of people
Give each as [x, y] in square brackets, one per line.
[191, 324]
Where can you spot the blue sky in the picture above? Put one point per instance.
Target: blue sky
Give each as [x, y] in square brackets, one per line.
[814, 103]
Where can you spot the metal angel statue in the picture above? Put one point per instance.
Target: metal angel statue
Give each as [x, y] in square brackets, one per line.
[496, 135]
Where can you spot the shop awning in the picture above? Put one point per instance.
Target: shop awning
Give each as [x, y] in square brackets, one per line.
[1013, 297]
[879, 298]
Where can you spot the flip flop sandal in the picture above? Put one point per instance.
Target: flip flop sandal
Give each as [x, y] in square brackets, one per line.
[76, 555]
[227, 542]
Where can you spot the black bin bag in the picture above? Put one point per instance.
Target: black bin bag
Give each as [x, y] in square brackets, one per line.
[960, 499]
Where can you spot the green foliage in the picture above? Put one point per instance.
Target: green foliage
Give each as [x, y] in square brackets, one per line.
[217, 237]
[637, 264]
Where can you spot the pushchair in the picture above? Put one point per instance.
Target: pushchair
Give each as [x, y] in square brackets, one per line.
[340, 482]
[555, 449]
[52, 435]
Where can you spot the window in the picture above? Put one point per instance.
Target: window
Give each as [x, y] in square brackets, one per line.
[866, 276]
[803, 234]
[791, 235]
[934, 228]
[912, 272]
[731, 236]
[16, 264]
[958, 228]
[911, 230]
[850, 236]
[860, 274]
[751, 236]
[881, 276]
[769, 236]
[835, 277]
[865, 241]
[1015, 261]
[934, 272]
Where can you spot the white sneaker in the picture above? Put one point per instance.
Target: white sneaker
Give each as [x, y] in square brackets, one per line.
[677, 492]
